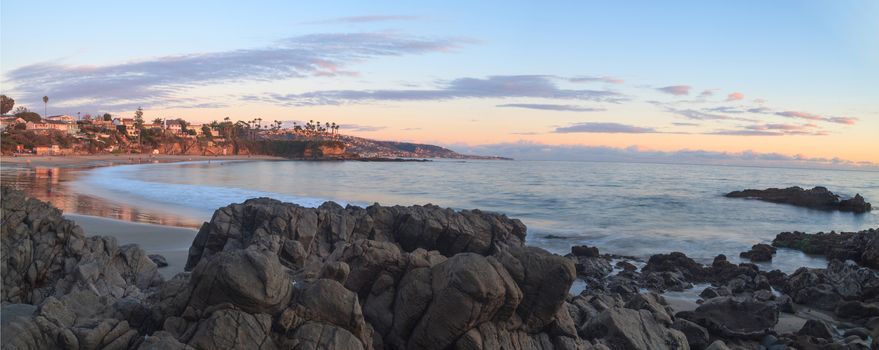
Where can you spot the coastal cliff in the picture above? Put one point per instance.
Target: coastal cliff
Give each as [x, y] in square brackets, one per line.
[270, 275]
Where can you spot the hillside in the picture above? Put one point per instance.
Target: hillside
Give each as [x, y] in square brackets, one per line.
[368, 148]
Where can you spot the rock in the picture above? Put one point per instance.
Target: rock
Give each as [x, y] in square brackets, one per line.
[162, 340]
[815, 198]
[584, 251]
[233, 329]
[861, 247]
[468, 281]
[315, 335]
[626, 266]
[623, 328]
[717, 345]
[689, 269]
[697, 336]
[826, 288]
[158, 260]
[328, 301]
[817, 329]
[252, 279]
[737, 318]
[544, 280]
[857, 310]
[759, 252]
[337, 271]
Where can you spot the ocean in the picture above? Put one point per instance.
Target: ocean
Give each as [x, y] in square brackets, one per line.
[633, 209]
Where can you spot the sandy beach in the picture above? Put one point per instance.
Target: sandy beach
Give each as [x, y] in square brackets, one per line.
[171, 242]
[97, 160]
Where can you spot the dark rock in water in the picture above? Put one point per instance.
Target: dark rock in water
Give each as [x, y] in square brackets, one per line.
[815, 198]
[677, 262]
[759, 252]
[826, 288]
[158, 260]
[626, 266]
[736, 318]
[817, 329]
[584, 251]
[861, 247]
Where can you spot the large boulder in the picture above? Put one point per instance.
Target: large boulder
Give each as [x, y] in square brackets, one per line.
[233, 329]
[252, 279]
[627, 329]
[478, 288]
[736, 318]
[544, 280]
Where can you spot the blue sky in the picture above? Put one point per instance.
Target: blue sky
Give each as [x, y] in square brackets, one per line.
[808, 63]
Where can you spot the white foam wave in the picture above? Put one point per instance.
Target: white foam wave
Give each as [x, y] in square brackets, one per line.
[122, 184]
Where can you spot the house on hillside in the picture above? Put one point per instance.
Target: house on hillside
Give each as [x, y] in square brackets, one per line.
[6, 122]
[52, 150]
[69, 128]
[173, 126]
[61, 118]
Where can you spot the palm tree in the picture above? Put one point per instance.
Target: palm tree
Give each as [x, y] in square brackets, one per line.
[46, 106]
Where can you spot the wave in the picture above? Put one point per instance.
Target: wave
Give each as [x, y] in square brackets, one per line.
[121, 183]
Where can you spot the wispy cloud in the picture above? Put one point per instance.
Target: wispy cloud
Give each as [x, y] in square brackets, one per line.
[677, 90]
[537, 151]
[810, 116]
[604, 79]
[735, 96]
[500, 86]
[552, 107]
[604, 128]
[361, 128]
[366, 19]
[772, 129]
[700, 115]
[152, 81]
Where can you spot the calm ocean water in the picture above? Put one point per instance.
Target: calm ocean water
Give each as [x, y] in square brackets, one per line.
[623, 208]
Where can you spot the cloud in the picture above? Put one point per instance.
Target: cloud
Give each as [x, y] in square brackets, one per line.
[685, 124]
[604, 128]
[707, 93]
[699, 115]
[604, 79]
[735, 96]
[552, 107]
[677, 90]
[810, 116]
[361, 128]
[524, 150]
[772, 129]
[366, 19]
[150, 82]
[499, 86]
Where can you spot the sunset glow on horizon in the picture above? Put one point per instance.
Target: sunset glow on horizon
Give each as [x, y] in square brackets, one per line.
[793, 78]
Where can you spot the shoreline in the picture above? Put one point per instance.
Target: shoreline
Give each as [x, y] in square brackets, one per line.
[101, 160]
[171, 242]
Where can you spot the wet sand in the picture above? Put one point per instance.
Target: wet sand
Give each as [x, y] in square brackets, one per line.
[171, 242]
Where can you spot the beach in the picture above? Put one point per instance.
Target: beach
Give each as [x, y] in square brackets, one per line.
[97, 160]
[168, 241]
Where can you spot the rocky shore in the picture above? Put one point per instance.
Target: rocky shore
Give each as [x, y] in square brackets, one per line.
[816, 198]
[270, 275]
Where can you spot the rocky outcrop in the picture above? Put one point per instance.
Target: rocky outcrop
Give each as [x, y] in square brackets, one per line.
[815, 198]
[736, 318]
[759, 252]
[861, 247]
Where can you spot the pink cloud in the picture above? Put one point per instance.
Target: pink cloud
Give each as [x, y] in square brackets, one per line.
[676, 90]
[842, 120]
[810, 116]
[735, 96]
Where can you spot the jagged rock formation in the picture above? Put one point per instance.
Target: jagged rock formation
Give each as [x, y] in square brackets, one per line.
[861, 247]
[269, 275]
[815, 198]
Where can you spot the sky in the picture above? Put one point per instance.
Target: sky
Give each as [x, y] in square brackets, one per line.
[780, 81]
